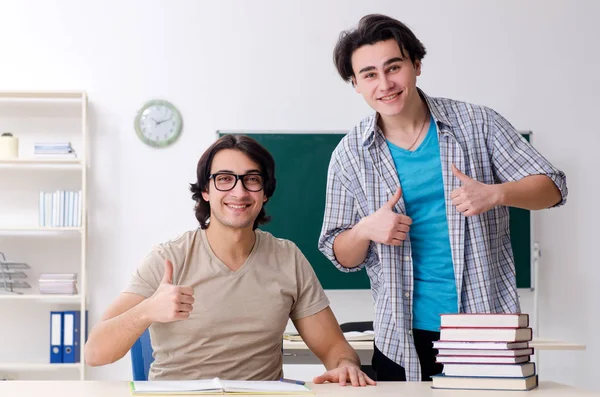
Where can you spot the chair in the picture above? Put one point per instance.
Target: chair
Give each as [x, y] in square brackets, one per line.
[141, 356]
[360, 326]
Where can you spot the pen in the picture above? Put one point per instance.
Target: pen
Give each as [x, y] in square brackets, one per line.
[298, 382]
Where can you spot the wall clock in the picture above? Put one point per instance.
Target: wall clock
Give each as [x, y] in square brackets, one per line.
[158, 123]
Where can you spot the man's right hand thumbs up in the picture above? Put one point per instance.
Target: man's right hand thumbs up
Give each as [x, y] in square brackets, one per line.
[391, 203]
[170, 302]
[168, 276]
[385, 226]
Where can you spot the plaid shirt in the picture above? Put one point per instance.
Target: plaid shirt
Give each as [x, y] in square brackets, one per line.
[361, 179]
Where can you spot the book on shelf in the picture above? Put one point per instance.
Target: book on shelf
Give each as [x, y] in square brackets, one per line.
[481, 359]
[58, 149]
[51, 155]
[484, 383]
[216, 386]
[60, 209]
[475, 320]
[486, 334]
[522, 370]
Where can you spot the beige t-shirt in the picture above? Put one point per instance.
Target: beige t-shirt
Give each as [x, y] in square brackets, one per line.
[235, 329]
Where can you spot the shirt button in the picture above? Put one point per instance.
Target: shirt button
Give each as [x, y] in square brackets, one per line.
[407, 258]
[410, 332]
[406, 294]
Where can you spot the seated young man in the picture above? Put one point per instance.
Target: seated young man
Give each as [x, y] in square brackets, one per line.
[217, 299]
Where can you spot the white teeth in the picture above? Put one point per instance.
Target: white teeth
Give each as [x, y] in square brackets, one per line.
[237, 206]
[387, 98]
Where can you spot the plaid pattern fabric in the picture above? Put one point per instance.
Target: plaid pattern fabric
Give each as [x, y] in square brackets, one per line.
[362, 177]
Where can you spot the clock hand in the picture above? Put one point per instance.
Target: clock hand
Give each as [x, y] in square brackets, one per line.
[162, 121]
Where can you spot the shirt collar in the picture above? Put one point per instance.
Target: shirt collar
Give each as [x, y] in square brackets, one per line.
[438, 113]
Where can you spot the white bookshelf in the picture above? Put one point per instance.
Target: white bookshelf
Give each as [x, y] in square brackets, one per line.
[41, 116]
[38, 366]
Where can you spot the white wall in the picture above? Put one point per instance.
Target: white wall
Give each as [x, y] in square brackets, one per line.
[267, 65]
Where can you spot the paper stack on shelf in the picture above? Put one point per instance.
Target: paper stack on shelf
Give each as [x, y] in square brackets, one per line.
[54, 149]
[58, 283]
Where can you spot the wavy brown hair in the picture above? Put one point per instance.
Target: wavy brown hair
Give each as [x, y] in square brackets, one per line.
[372, 29]
[249, 147]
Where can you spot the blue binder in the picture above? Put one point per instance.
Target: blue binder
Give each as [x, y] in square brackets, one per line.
[56, 335]
[71, 337]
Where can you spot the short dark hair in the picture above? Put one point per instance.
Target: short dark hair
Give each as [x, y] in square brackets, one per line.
[252, 149]
[372, 29]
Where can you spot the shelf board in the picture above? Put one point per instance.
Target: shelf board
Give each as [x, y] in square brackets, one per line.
[38, 230]
[42, 94]
[42, 297]
[38, 366]
[49, 163]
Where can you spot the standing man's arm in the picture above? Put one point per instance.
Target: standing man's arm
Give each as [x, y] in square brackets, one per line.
[129, 316]
[525, 178]
[345, 238]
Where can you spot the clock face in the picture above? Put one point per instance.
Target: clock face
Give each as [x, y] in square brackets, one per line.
[158, 123]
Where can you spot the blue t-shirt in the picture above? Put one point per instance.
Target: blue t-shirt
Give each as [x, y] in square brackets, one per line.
[420, 174]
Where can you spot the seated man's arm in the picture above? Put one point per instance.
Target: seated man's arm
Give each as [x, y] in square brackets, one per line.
[323, 336]
[129, 316]
[121, 325]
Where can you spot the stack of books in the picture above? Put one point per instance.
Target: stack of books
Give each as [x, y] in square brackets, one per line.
[60, 209]
[53, 149]
[58, 283]
[485, 352]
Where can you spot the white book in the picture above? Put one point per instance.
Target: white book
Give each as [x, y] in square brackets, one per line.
[479, 345]
[41, 207]
[481, 359]
[475, 320]
[481, 383]
[486, 352]
[486, 334]
[79, 209]
[490, 370]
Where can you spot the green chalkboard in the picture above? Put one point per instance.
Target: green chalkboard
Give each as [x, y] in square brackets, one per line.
[297, 207]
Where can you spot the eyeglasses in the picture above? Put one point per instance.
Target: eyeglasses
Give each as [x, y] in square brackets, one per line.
[225, 181]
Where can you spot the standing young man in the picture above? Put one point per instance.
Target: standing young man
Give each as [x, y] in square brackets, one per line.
[217, 299]
[418, 194]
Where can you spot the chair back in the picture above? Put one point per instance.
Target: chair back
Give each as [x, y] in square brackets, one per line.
[141, 356]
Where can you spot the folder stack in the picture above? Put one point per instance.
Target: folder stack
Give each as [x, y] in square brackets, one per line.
[65, 337]
[485, 352]
[58, 283]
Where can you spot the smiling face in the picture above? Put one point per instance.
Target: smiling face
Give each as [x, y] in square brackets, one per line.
[238, 207]
[385, 77]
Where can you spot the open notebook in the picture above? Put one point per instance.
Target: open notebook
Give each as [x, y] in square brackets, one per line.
[215, 386]
[351, 336]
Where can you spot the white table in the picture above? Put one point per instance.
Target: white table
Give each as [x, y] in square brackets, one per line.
[384, 389]
[296, 352]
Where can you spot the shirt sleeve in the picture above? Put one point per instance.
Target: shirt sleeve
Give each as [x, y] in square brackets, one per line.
[146, 278]
[311, 298]
[340, 214]
[514, 158]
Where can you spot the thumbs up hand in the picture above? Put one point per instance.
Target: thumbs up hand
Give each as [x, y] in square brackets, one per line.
[170, 302]
[385, 226]
[473, 197]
